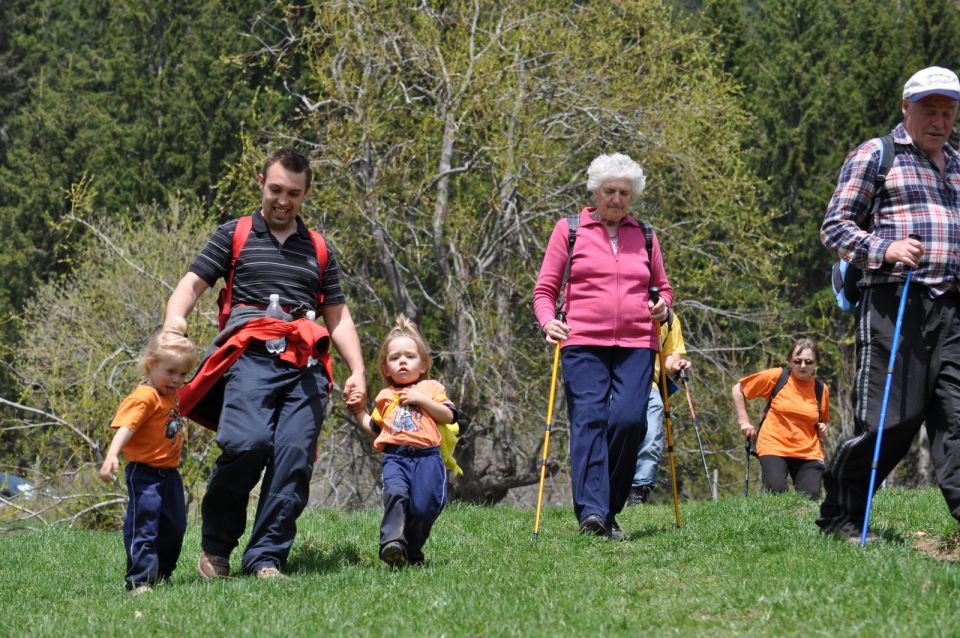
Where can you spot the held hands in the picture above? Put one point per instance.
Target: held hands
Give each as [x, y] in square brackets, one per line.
[904, 251]
[555, 330]
[356, 402]
[747, 431]
[355, 392]
[110, 465]
[658, 311]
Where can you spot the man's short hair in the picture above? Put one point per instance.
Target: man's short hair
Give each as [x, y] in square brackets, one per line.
[292, 160]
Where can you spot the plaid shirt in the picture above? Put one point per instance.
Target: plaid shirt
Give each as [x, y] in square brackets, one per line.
[915, 198]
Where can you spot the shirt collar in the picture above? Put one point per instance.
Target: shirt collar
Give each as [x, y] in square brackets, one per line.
[901, 136]
[260, 225]
[628, 220]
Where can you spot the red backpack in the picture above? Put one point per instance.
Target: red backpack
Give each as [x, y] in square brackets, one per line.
[240, 234]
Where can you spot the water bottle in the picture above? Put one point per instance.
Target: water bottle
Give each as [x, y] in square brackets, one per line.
[311, 317]
[274, 311]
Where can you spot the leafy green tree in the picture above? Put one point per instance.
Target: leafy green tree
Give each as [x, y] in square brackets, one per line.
[451, 136]
[77, 358]
[133, 99]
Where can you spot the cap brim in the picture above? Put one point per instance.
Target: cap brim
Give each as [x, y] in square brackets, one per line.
[953, 95]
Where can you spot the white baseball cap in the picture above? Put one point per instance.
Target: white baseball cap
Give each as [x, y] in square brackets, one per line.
[933, 80]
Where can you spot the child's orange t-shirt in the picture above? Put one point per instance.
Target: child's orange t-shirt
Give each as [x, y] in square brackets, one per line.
[146, 412]
[408, 425]
[790, 429]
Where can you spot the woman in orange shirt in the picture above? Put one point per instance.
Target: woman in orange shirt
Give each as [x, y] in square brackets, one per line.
[788, 442]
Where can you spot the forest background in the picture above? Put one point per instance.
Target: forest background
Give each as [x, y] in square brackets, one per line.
[447, 139]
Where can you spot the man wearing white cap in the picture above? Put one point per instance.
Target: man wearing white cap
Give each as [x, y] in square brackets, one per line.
[921, 197]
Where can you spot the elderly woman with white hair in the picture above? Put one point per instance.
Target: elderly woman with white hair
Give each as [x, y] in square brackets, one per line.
[607, 326]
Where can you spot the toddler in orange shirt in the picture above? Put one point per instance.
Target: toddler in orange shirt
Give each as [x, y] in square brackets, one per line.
[149, 432]
[405, 423]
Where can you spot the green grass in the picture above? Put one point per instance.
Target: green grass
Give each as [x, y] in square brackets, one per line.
[736, 567]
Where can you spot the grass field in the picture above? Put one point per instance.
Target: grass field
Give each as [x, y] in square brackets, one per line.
[754, 567]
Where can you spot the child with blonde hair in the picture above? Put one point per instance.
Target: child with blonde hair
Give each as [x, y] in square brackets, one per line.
[149, 432]
[406, 425]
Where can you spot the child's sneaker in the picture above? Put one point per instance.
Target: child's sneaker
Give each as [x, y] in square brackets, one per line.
[142, 589]
[393, 554]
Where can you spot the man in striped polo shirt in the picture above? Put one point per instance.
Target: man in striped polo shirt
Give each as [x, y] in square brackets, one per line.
[273, 404]
[920, 196]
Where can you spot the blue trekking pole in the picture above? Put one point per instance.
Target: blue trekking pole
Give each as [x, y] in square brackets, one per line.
[883, 406]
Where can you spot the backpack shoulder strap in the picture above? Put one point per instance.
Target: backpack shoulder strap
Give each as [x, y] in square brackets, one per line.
[225, 300]
[320, 246]
[888, 152]
[818, 391]
[782, 381]
[573, 223]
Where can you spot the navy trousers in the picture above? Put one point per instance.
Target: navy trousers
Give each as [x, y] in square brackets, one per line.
[607, 391]
[154, 525]
[414, 493]
[272, 414]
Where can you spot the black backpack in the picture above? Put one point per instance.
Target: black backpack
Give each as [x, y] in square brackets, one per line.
[844, 276]
[782, 381]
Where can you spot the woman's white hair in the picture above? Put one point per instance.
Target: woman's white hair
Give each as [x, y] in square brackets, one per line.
[615, 166]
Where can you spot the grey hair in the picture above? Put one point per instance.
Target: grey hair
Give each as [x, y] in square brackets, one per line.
[615, 166]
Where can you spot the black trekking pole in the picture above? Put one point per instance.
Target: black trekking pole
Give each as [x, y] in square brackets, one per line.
[883, 406]
[665, 394]
[696, 429]
[746, 479]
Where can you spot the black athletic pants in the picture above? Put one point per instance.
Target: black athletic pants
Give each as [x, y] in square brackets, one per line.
[805, 474]
[925, 388]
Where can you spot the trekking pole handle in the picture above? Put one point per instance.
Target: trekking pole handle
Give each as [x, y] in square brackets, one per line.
[654, 294]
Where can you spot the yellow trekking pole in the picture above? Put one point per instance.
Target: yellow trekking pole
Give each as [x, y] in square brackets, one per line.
[665, 393]
[546, 439]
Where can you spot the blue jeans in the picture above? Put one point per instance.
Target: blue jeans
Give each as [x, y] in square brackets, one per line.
[651, 448]
[604, 385]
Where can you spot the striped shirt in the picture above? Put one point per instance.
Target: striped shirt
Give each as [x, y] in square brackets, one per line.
[915, 198]
[265, 267]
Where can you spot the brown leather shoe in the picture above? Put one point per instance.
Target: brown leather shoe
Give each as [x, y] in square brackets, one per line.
[210, 566]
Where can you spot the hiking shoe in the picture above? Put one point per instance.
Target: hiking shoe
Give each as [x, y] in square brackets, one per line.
[269, 572]
[593, 524]
[210, 566]
[639, 495]
[614, 533]
[393, 554]
[141, 589]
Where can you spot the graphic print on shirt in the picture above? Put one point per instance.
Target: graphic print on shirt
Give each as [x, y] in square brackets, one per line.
[406, 419]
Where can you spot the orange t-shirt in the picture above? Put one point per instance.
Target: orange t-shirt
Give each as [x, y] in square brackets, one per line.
[790, 429]
[146, 412]
[407, 425]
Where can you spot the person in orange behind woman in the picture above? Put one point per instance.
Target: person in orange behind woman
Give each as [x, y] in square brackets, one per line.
[788, 442]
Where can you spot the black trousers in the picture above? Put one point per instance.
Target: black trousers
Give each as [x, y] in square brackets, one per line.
[805, 474]
[925, 388]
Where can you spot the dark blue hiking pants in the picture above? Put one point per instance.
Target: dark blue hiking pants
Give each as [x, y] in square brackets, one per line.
[271, 418]
[154, 525]
[414, 493]
[607, 390]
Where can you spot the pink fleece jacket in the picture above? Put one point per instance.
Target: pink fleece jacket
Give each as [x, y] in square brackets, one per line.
[607, 293]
